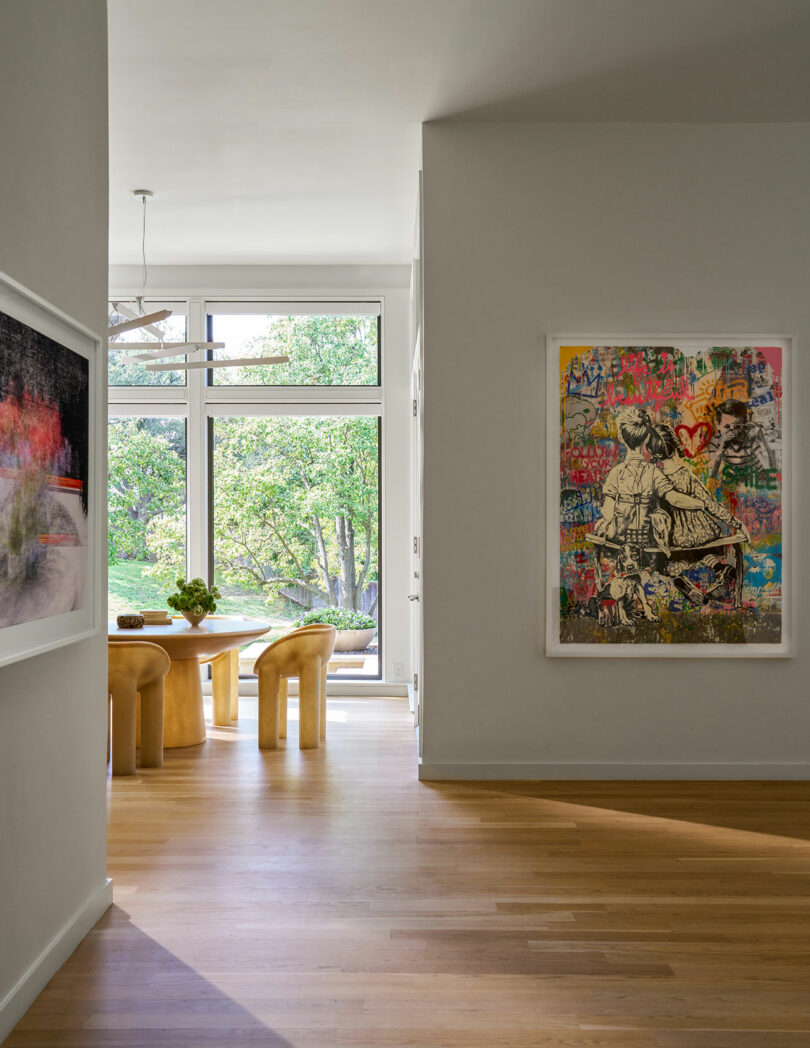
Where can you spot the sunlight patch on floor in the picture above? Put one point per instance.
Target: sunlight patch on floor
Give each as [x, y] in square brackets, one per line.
[235, 732]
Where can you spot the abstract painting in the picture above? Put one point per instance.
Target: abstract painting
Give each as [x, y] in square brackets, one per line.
[668, 496]
[45, 477]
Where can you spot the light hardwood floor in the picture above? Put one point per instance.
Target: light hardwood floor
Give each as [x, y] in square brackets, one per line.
[325, 898]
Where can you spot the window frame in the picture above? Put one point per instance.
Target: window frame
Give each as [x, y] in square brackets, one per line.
[200, 402]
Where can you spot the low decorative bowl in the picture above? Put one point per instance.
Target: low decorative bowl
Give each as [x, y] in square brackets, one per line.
[129, 622]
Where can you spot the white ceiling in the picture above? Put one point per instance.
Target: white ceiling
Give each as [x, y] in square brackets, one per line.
[288, 131]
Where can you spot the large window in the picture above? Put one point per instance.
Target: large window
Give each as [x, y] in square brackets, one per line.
[265, 479]
[146, 468]
[295, 516]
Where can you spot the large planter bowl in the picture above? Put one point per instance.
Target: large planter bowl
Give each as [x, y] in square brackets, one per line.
[353, 640]
[192, 619]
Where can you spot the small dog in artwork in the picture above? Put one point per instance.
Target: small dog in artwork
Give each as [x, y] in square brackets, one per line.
[616, 598]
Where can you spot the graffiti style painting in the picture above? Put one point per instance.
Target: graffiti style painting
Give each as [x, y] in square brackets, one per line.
[45, 457]
[668, 500]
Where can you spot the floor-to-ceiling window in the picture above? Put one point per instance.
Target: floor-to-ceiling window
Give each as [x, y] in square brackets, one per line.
[146, 503]
[263, 478]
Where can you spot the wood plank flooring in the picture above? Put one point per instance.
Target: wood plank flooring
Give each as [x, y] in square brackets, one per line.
[326, 899]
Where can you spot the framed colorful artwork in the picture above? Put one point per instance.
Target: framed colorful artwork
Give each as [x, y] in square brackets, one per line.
[50, 499]
[668, 491]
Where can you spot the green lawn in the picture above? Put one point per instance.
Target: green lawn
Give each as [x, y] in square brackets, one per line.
[237, 602]
[130, 590]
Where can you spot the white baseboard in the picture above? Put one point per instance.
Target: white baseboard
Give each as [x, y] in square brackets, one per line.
[25, 991]
[732, 770]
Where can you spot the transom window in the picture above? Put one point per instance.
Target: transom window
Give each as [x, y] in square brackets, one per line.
[328, 344]
[124, 369]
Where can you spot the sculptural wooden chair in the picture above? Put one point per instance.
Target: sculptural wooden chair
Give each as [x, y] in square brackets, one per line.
[282, 691]
[132, 669]
[303, 654]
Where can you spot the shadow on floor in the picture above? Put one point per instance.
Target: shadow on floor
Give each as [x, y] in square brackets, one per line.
[777, 809]
[121, 989]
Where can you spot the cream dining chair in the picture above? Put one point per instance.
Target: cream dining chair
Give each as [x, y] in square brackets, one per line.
[132, 669]
[304, 654]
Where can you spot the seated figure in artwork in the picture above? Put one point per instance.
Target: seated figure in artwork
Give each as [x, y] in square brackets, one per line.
[692, 529]
[633, 518]
[635, 491]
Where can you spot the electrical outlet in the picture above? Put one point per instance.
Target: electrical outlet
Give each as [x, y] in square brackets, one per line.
[399, 671]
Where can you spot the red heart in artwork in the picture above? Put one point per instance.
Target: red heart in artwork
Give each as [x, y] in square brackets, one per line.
[695, 442]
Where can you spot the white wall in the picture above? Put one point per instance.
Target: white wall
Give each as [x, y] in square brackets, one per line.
[531, 229]
[53, 239]
[391, 284]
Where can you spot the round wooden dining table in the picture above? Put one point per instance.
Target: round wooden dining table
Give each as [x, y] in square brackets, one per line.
[183, 717]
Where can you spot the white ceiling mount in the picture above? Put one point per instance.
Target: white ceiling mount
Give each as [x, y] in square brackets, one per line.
[143, 193]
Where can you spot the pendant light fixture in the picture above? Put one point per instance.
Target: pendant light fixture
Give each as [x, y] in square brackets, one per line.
[150, 351]
[147, 321]
[137, 322]
[235, 362]
[142, 320]
[145, 351]
[127, 311]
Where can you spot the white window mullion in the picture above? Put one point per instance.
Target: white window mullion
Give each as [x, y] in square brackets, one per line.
[314, 395]
[154, 396]
[139, 409]
[197, 450]
[235, 410]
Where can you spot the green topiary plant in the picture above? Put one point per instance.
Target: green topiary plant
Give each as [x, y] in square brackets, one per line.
[194, 600]
[340, 618]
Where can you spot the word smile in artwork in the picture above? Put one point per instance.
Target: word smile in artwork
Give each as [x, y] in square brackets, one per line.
[670, 495]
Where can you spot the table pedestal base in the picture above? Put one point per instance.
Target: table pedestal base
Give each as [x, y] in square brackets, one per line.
[183, 719]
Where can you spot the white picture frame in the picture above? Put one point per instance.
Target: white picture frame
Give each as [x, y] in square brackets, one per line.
[36, 635]
[555, 646]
